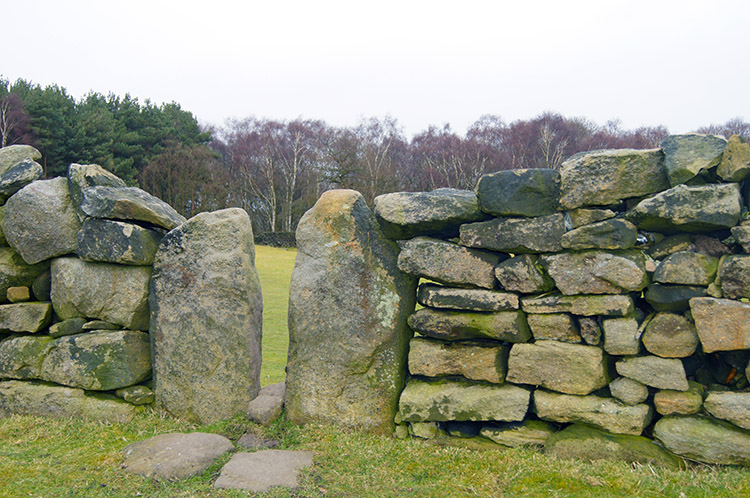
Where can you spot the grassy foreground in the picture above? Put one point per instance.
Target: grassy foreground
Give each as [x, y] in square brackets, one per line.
[73, 458]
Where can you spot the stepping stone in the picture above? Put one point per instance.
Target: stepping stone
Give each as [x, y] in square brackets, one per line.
[262, 470]
[174, 456]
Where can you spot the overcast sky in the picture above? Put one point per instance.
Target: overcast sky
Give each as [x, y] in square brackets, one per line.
[679, 63]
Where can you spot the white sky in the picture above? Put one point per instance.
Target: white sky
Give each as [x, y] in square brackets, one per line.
[679, 63]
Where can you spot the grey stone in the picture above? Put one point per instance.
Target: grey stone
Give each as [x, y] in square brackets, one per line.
[685, 156]
[733, 407]
[734, 276]
[265, 409]
[622, 336]
[509, 326]
[590, 330]
[206, 305]
[83, 176]
[597, 272]
[260, 471]
[448, 263]
[567, 368]
[129, 203]
[581, 442]
[710, 246]
[587, 216]
[686, 268]
[174, 456]
[21, 356]
[25, 317]
[3, 240]
[20, 294]
[426, 430]
[255, 442]
[44, 400]
[114, 293]
[608, 234]
[403, 215]
[117, 242]
[606, 305]
[40, 222]
[670, 336]
[668, 402]
[275, 390]
[516, 434]
[704, 439]
[100, 325]
[15, 272]
[672, 244]
[520, 192]
[662, 373]
[441, 400]
[346, 290]
[735, 162]
[689, 209]
[473, 360]
[516, 235]
[136, 395]
[523, 274]
[555, 326]
[604, 177]
[629, 391]
[437, 296]
[722, 324]
[742, 235]
[605, 413]
[14, 154]
[14, 179]
[672, 297]
[42, 284]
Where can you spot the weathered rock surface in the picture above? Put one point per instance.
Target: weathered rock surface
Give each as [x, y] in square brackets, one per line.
[662, 373]
[262, 470]
[734, 276]
[474, 360]
[441, 400]
[20, 294]
[670, 336]
[346, 290]
[44, 400]
[622, 336]
[704, 439]
[597, 272]
[67, 327]
[591, 331]
[668, 402]
[604, 177]
[21, 356]
[83, 176]
[722, 324]
[686, 268]
[115, 293]
[567, 368]
[520, 192]
[117, 242]
[448, 263]
[15, 272]
[267, 406]
[629, 391]
[14, 154]
[18, 176]
[99, 361]
[733, 407]
[587, 216]
[523, 274]
[554, 326]
[685, 156]
[206, 309]
[515, 434]
[25, 317]
[42, 284]
[255, 442]
[742, 235]
[510, 326]
[129, 203]
[608, 234]
[672, 297]
[689, 209]
[40, 222]
[605, 413]
[579, 305]
[136, 395]
[587, 443]
[403, 215]
[672, 244]
[174, 456]
[437, 296]
[516, 235]
[735, 162]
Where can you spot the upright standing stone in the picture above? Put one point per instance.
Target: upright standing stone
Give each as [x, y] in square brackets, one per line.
[348, 305]
[206, 309]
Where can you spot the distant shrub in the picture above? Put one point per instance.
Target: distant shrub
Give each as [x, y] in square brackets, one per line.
[276, 239]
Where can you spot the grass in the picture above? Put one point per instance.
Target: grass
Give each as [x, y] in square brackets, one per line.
[74, 458]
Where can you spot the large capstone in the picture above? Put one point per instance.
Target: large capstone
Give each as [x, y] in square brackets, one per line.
[520, 192]
[40, 222]
[597, 272]
[83, 176]
[129, 203]
[604, 177]
[608, 234]
[722, 324]
[17, 177]
[686, 156]
[523, 274]
[704, 439]
[509, 326]
[586, 305]
[690, 209]
[516, 235]
[346, 290]
[662, 373]
[484, 361]
[403, 215]
[206, 309]
[112, 241]
[438, 296]
[114, 293]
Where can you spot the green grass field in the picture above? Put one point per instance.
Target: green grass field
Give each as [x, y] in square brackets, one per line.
[73, 458]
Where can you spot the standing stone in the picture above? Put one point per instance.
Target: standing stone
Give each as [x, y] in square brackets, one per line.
[604, 177]
[523, 274]
[520, 192]
[117, 242]
[129, 203]
[114, 293]
[597, 272]
[685, 156]
[668, 402]
[670, 336]
[509, 326]
[686, 268]
[206, 309]
[622, 336]
[40, 222]
[437, 296]
[447, 262]
[403, 215]
[606, 305]
[734, 276]
[722, 324]
[662, 373]
[608, 234]
[629, 391]
[516, 235]
[704, 439]
[735, 162]
[14, 154]
[83, 176]
[473, 360]
[346, 291]
[17, 177]
[555, 326]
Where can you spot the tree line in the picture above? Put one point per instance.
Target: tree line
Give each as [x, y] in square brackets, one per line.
[276, 169]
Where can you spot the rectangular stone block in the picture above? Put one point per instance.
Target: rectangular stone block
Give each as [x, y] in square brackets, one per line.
[437, 296]
[516, 235]
[471, 359]
[509, 326]
[582, 305]
[722, 324]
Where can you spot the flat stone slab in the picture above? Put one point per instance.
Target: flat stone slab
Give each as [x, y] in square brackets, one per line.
[83, 176]
[597, 272]
[704, 439]
[672, 297]
[722, 324]
[174, 456]
[14, 154]
[263, 470]
[483, 361]
[585, 305]
[129, 203]
[516, 235]
[662, 373]
[515, 434]
[556, 326]
[510, 326]
[438, 296]
[255, 442]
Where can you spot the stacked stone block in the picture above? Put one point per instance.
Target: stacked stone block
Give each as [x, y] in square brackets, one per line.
[585, 308]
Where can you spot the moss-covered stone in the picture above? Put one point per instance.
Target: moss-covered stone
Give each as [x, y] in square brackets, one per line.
[438, 296]
[586, 216]
[21, 356]
[669, 402]
[555, 326]
[597, 272]
[129, 203]
[629, 391]
[735, 162]
[733, 407]
[509, 326]
[18, 176]
[608, 234]
[520, 192]
[672, 297]
[83, 176]
[476, 360]
[516, 434]
[685, 156]
[686, 268]
[704, 439]
[25, 317]
[14, 154]
[112, 241]
[525, 274]
[516, 235]
[70, 326]
[14, 271]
